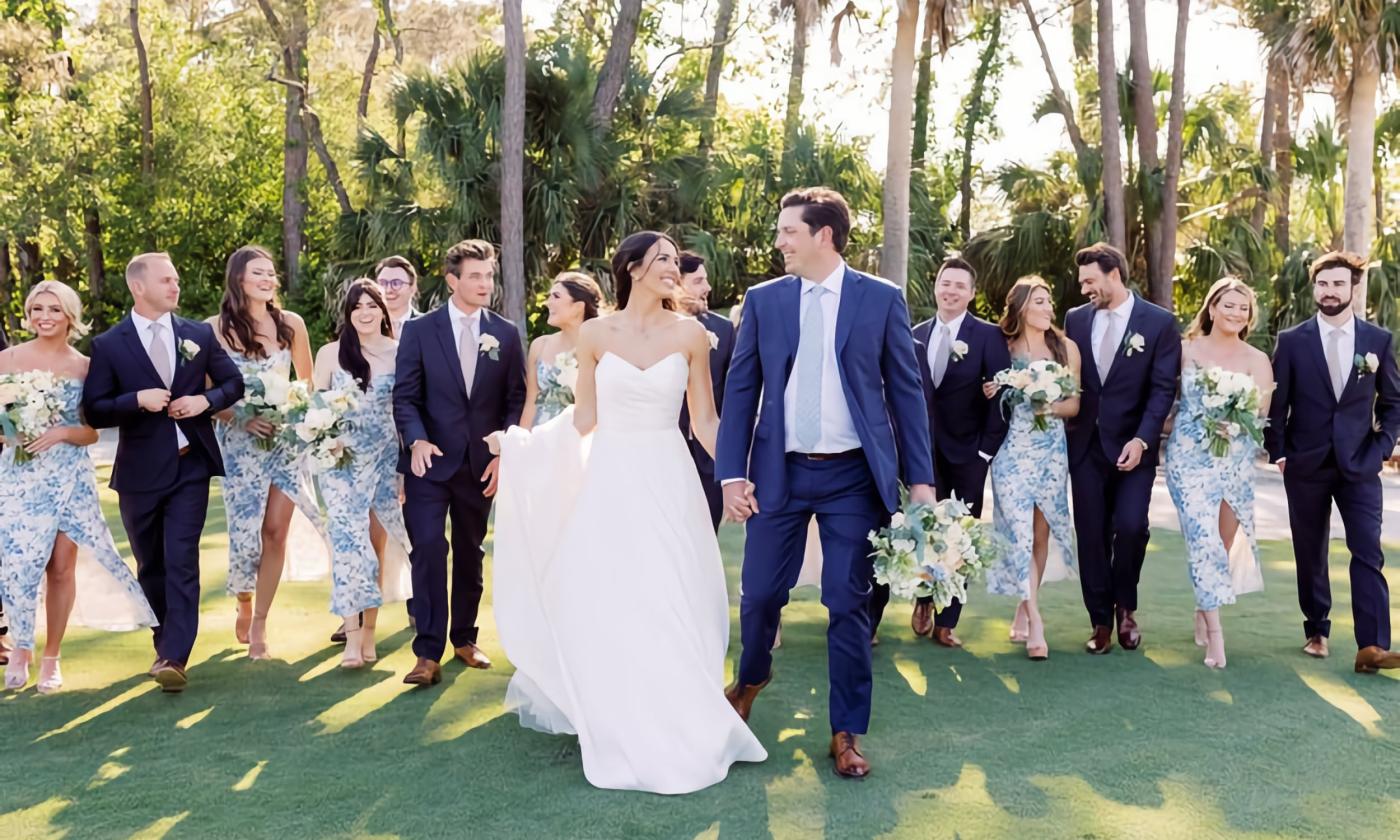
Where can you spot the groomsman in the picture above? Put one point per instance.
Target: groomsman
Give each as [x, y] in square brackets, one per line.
[160, 379]
[695, 300]
[1334, 419]
[460, 376]
[398, 279]
[1132, 358]
[957, 353]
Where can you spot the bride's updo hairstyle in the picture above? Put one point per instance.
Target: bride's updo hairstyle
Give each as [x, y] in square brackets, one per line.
[631, 253]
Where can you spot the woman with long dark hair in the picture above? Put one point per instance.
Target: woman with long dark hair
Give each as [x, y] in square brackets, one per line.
[551, 369]
[609, 588]
[1030, 472]
[369, 544]
[265, 484]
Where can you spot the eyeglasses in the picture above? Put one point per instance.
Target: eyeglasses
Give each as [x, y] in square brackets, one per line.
[393, 285]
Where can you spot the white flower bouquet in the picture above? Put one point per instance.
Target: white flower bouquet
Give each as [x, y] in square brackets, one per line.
[1040, 383]
[1230, 408]
[933, 551]
[271, 396]
[31, 403]
[567, 376]
[319, 424]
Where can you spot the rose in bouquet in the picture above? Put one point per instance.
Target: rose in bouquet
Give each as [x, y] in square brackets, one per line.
[1040, 384]
[1230, 409]
[319, 424]
[933, 551]
[567, 377]
[31, 403]
[270, 396]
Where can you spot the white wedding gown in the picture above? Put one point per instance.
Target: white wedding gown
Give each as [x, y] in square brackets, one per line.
[609, 589]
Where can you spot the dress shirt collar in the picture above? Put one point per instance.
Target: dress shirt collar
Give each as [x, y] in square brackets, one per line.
[953, 325]
[1347, 328]
[832, 283]
[143, 324]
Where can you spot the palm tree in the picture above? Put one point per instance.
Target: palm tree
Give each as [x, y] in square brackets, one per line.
[804, 14]
[615, 64]
[1171, 175]
[513, 165]
[1108, 111]
[723, 18]
[894, 254]
[1144, 111]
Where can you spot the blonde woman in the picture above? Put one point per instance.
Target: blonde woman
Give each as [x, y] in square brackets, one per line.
[51, 525]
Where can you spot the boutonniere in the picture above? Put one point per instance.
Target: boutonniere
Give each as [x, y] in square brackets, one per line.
[188, 350]
[959, 350]
[1133, 343]
[714, 340]
[490, 345]
[1369, 363]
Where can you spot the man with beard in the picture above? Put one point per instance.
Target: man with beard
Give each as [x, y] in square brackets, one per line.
[1334, 419]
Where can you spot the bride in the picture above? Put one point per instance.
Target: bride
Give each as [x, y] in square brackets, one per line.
[609, 589]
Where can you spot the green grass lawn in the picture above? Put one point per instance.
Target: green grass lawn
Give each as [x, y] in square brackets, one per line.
[972, 743]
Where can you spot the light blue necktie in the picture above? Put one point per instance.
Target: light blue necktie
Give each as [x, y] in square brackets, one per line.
[810, 359]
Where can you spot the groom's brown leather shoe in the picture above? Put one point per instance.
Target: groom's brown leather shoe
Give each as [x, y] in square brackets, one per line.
[922, 621]
[741, 697]
[1316, 647]
[850, 762]
[1371, 659]
[426, 672]
[944, 636]
[471, 656]
[1128, 635]
[1101, 642]
[170, 675]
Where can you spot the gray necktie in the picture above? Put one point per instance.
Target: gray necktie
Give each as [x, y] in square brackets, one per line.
[467, 352]
[942, 354]
[1107, 346]
[810, 361]
[1334, 362]
[159, 358]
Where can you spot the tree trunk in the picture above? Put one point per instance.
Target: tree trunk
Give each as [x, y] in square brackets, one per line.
[1114, 222]
[972, 116]
[894, 254]
[31, 263]
[292, 39]
[1171, 174]
[1081, 25]
[143, 72]
[922, 87]
[1063, 104]
[7, 320]
[1145, 124]
[1267, 117]
[513, 167]
[367, 77]
[1283, 160]
[1357, 199]
[92, 251]
[792, 117]
[386, 20]
[713, 72]
[615, 65]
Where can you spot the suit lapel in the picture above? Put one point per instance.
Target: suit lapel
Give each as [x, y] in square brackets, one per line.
[137, 349]
[1134, 326]
[955, 366]
[1312, 338]
[1090, 366]
[852, 290]
[449, 347]
[789, 302]
[1360, 347]
[488, 327]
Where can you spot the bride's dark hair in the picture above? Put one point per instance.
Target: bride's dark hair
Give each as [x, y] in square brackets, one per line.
[631, 252]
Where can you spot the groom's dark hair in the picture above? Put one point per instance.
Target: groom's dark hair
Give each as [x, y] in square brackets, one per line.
[822, 207]
[1106, 257]
[1338, 259]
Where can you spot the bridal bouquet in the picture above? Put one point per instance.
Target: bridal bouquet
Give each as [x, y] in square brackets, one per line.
[567, 376]
[271, 396]
[933, 551]
[31, 403]
[319, 423]
[1230, 403]
[1040, 384]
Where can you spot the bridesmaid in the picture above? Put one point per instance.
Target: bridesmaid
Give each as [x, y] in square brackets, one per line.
[1214, 496]
[51, 525]
[1030, 471]
[262, 488]
[573, 298]
[369, 544]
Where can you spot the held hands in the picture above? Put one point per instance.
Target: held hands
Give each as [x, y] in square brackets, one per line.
[739, 501]
[421, 456]
[1132, 455]
[491, 477]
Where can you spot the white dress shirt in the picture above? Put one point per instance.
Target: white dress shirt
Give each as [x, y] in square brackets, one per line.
[399, 322]
[953, 327]
[1122, 313]
[1346, 346]
[143, 329]
[838, 429]
[462, 321]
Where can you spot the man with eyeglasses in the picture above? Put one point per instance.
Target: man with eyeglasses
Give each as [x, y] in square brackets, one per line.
[398, 279]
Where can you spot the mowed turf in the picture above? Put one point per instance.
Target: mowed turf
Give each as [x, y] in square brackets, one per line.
[971, 743]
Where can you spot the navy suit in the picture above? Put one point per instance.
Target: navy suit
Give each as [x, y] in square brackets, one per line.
[163, 490]
[849, 496]
[1110, 506]
[1335, 449]
[961, 420]
[723, 331]
[431, 403]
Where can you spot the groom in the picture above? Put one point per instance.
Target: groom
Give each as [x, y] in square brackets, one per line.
[1131, 355]
[823, 360]
[1333, 421]
[151, 376]
[460, 375]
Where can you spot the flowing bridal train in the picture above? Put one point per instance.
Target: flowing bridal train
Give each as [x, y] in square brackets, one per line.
[609, 589]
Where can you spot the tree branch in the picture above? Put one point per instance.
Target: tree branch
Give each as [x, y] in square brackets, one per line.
[312, 122]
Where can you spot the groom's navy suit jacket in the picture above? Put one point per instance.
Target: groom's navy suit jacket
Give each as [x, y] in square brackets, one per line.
[1141, 388]
[1307, 420]
[879, 377]
[147, 457]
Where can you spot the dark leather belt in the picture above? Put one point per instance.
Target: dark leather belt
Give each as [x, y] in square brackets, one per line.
[828, 456]
[184, 450]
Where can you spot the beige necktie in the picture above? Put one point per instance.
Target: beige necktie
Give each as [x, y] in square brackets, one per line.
[1334, 362]
[159, 358]
[467, 352]
[941, 354]
[1107, 347]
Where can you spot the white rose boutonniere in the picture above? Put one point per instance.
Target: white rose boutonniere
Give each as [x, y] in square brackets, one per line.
[714, 340]
[188, 349]
[1133, 343]
[1369, 363]
[490, 345]
[959, 350]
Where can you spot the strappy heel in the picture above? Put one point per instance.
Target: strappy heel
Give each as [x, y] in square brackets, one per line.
[354, 657]
[50, 676]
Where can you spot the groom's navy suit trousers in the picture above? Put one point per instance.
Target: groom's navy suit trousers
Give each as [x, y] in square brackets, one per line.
[849, 495]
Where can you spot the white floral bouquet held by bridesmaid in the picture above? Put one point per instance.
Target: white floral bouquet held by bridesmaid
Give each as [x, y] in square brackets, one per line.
[933, 551]
[31, 403]
[1230, 409]
[318, 423]
[1040, 383]
[271, 396]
